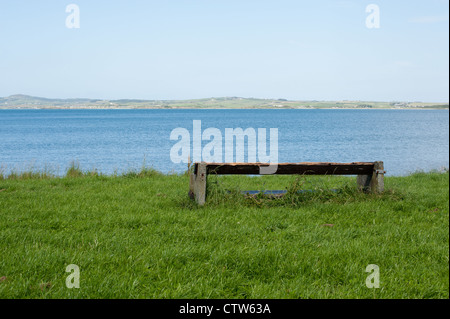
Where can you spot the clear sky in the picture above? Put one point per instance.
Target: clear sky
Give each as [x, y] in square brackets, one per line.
[182, 49]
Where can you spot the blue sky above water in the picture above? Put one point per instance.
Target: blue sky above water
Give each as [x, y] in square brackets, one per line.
[304, 50]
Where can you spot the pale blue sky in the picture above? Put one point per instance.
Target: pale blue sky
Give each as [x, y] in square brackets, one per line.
[180, 49]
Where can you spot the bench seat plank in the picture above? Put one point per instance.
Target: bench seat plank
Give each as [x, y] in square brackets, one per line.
[309, 168]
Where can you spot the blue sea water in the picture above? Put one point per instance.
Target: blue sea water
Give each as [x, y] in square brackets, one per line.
[119, 140]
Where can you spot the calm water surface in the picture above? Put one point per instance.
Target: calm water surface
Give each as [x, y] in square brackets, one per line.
[119, 140]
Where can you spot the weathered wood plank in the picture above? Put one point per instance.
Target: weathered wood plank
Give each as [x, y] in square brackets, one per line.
[307, 168]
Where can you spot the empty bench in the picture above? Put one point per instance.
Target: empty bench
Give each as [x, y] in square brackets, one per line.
[370, 175]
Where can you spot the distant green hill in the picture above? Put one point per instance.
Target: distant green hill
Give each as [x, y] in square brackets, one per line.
[26, 101]
[21, 99]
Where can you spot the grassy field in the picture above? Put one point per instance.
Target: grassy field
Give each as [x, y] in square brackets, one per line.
[138, 235]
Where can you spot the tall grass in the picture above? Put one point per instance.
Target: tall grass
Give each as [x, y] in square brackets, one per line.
[24, 175]
[74, 170]
[298, 191]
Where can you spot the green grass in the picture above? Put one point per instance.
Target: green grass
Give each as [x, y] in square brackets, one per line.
[138, 235]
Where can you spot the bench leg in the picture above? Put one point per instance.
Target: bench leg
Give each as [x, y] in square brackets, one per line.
[191, 185]
[363, 182]
[372, 183]
[377, 182]
[197, 185]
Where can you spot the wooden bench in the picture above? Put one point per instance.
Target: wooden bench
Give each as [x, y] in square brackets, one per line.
[370, 175]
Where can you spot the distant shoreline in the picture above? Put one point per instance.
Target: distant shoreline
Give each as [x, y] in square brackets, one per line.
[222, 108]
[20, 101]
